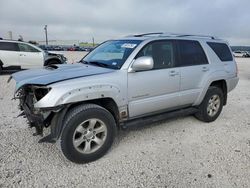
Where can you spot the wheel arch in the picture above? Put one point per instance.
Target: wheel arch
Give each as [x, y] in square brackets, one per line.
[47, 61]
[107, 103]
[219, 82]
[223, 86]
[56, 119]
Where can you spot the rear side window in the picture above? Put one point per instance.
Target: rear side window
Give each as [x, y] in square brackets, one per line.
[222, 51]
[191, 53]
[8, 46]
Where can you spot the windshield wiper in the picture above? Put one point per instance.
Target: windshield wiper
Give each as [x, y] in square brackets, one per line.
[98, 63]
[94, 63]
[83, 61]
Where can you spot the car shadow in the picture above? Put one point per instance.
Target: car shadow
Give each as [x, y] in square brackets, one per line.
[123, 133]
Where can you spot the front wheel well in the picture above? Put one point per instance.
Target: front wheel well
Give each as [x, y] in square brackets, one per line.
[223, 86]
[55, 120]
[107, 103]
[52, 61]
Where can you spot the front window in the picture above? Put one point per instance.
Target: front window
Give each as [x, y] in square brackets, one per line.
[111, 54]
[26, 48]
[162, 53]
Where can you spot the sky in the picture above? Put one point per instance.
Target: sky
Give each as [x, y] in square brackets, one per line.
[108, 19]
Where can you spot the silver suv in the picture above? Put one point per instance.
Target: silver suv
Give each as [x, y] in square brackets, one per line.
[123, 83]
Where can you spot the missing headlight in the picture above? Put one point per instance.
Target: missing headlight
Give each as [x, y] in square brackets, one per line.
[40, 92]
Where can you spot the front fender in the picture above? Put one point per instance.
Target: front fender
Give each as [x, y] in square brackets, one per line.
[60, 96]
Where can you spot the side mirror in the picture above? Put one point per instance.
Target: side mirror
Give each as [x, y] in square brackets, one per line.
[142, 64]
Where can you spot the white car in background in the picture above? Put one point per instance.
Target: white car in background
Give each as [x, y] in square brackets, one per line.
[26, 56]
[241, 54]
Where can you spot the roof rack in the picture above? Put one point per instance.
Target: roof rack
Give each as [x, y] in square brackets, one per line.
[162, 34]
[203, 36]
[146, 34]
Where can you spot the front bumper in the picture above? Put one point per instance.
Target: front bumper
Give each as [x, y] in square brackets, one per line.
[35, 120]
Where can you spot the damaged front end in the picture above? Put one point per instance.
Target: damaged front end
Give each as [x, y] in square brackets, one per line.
[39, 118]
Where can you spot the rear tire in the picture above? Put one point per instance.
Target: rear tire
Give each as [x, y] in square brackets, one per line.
[211, 106]
[88, 133]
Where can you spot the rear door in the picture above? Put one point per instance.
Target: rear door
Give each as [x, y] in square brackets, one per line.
[194, 69]
[30, 57]
[9, 54]
[157, 89]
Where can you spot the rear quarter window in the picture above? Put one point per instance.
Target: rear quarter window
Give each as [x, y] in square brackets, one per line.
[222, 51]
[8, 46]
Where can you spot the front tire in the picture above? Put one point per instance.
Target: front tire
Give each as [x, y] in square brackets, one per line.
[88, 133]
[211, 106]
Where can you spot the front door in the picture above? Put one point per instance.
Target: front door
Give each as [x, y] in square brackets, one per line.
[9, 54]
[157, 89]
[30, 57]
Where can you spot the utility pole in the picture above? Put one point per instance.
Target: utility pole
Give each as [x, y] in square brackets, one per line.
[46, 35]
[10, 35]
[93, 41]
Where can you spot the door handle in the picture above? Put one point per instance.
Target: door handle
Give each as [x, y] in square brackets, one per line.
[22, 55]
[205, 69]
[173, 73]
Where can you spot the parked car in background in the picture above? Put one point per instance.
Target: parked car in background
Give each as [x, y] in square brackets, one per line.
[247, 54]
[51, 47]
[123, 83]
[241, 54]
[25, 55]
[57, 48]
[88, 49]
[71, 48]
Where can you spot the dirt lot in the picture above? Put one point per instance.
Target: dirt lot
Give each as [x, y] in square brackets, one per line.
[182, 152]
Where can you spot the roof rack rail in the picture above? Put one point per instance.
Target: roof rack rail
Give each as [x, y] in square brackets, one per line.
[145, 34]
[203, 36]
[164, 34]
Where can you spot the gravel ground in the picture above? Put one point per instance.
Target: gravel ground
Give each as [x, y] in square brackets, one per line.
[182, 152]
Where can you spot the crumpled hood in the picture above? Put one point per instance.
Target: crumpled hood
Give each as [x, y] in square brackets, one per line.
[56, 73]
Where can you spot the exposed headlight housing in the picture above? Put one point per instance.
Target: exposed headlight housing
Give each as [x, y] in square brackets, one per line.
[40, 91]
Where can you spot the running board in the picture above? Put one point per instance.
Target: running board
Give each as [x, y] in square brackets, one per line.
[159, 117]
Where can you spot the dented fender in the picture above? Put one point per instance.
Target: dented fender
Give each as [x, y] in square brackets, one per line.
[61, 96]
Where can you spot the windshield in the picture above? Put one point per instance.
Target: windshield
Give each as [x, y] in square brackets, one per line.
[111, 54]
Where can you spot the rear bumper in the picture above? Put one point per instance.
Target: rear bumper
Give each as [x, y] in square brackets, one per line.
[232, 83]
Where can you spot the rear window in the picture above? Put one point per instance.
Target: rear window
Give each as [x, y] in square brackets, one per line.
[191, 53]
[8, 46]
[222, 51]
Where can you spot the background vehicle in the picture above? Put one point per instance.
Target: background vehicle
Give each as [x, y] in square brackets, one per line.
[241, 54]
[26, 56]
[126, 82]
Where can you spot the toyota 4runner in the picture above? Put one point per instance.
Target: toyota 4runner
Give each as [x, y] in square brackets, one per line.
[123, 83]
